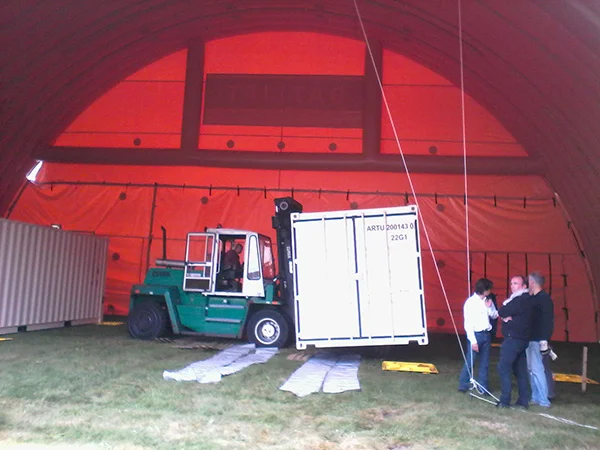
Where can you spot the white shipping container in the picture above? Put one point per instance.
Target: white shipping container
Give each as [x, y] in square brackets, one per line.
[49, 277]
[358, 278]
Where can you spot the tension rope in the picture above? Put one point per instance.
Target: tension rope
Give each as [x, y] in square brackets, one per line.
[474, 384]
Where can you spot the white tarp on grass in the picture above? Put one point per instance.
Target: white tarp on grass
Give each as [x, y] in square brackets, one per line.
[226, 362]
[343, 376]
[334, 373]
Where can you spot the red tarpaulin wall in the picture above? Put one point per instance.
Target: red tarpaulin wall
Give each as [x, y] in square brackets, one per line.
[515, 225]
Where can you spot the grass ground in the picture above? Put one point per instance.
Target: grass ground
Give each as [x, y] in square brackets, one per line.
[93, 387]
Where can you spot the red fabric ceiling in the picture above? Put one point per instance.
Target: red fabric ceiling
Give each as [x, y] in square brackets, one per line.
[145, 110]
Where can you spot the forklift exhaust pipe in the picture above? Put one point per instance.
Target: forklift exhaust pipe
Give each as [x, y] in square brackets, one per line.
[164, 239]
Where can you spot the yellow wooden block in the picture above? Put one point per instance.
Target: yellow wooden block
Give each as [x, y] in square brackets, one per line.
[110, 324]
[409, 367]
[5, 339]
[571, 378]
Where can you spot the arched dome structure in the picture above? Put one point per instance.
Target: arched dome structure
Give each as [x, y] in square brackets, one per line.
[532, 66]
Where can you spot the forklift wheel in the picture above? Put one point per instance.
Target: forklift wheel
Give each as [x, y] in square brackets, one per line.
[268, 328]
[148, 320]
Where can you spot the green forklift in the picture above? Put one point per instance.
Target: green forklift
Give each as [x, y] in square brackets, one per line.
[225, 286]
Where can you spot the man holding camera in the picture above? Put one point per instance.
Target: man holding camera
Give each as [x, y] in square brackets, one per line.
[541, 332]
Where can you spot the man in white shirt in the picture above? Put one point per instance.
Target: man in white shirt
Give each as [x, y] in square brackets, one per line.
[477, 312]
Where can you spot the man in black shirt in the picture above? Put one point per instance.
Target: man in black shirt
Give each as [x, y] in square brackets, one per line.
[517, 316]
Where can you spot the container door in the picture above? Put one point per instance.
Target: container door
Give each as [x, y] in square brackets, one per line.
[325, 280]
[390, 289]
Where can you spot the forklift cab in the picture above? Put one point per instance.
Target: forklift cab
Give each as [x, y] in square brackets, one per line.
[215, 263]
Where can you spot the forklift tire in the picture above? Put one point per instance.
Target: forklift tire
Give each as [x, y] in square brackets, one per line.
[268, 328]
[148, 320]
[292, 333]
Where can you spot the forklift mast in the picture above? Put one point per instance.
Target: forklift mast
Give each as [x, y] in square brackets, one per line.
[281, 221]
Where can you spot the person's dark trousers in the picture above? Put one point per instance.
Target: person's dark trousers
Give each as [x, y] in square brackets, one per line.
[484, 341]
[513, 360]
[494, 331]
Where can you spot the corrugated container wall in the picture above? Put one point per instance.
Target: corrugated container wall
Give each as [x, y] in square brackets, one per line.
[49, 277]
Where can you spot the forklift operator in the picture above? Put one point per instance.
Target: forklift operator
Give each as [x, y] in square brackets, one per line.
[231, 261]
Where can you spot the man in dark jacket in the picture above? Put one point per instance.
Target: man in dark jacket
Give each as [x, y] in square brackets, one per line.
[231, 269]
[541, 332]
[517, 315]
